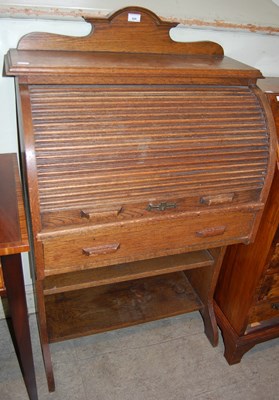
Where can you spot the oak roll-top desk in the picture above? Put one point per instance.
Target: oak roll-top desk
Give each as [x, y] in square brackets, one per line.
[143, 159]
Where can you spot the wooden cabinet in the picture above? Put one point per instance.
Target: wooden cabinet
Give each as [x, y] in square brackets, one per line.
[247, 294]
[143, 159]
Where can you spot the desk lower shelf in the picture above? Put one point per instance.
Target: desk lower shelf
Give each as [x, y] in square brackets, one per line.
[126, 272]
[99, 309]
[92, 301]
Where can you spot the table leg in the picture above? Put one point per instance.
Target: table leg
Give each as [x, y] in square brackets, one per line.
[15, 291]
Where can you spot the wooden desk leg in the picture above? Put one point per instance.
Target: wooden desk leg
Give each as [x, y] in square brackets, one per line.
[14, 283]
[44, 336]
[204, 282]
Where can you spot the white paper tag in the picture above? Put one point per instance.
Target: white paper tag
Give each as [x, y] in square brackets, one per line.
[277, 98]
[134, 17]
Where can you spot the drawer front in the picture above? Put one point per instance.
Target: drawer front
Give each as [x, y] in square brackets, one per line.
[273, 259]
[112, 244]
[264, 311]
[267, 306]
[274, 262]
[270, 287]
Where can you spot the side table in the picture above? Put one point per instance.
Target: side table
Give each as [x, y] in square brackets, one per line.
[14, 241]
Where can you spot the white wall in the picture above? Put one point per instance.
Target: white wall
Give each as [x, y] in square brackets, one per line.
[11, 30]
[258, 50]
[255, 49]
[255, 12]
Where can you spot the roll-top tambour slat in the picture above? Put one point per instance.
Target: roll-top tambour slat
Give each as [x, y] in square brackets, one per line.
[143, 149]
[93, 193]
[57, 113]
[143, 176]
[47, 121]
[120, 191]
[120, 90]
[60, 170]
[91, 160]
[110, 174]
[198, 126]
[83, 141]
[47, 173]
[63, 201]
[99, 144]
[238, 132]
[244, 121]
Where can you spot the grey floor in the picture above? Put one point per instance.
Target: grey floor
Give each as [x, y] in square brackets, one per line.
[166, 360]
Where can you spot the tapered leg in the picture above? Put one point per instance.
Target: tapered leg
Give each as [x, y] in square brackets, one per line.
[204, 282]
[41, 312]
[14, 283]
[210, 324]
[48, 366]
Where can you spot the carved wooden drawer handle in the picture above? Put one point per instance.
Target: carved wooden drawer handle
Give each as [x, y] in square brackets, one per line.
[91, 214]
[103, 249]
[217, 199]
[208, 232]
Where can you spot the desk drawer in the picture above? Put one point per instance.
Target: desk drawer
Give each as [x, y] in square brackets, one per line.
[118, 243]
[267, 305]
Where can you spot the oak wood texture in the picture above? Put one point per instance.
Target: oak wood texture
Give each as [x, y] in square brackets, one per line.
[247, 293]
[95, 58]
[88, 68]
[116, 34]
[123, 272]
[143, 158]
[115, 306]
[13, 241]
[157, 147]
[66, 251]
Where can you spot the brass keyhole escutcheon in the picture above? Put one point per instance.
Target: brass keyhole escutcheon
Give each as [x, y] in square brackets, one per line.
[161, 206]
